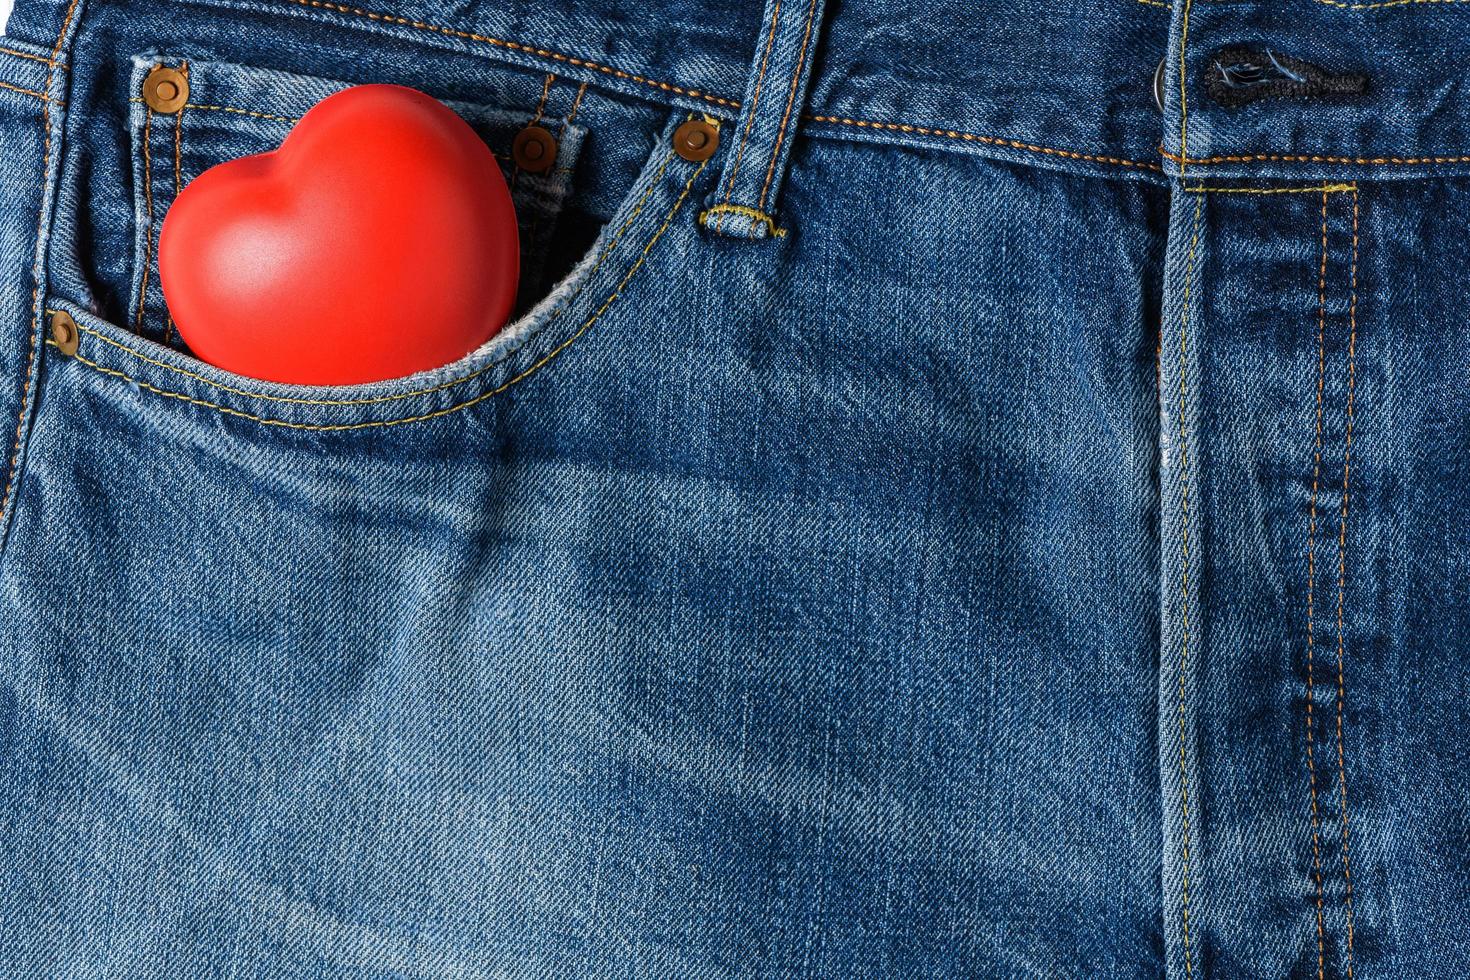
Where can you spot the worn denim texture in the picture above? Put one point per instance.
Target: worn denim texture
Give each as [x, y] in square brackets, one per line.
[1021, 535]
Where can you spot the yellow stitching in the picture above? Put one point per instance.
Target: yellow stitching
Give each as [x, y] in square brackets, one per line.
[576, 105]
[1311, 595]
[26, 91]
[755, 101]
[168, 319]
[25, 389]
[1315, 188]
[668, 219]
[242, 112]
[148, 224]
[1379, 6]
[1184, 572]
[1184, 111]
[52, 62]
[740, 209]
[806, 37]
[1347, 455]
[514, 46]
[1156, 3]
[230, 108]
[612, 244]
[987, 140]
[1309, 158]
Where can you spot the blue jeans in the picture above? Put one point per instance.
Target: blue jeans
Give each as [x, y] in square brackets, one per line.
[978, 523]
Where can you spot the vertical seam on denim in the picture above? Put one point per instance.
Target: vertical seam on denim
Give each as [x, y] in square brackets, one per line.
[811, 13]
[1311, 592]
[1347, 454]
[1184, 573]
[540, 109]
[37, 262]
[755, 101]
[1183, 91]
[148, 216]
[168, 319]
[576, 106]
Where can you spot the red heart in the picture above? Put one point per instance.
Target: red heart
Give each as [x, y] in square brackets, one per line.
[379, 240]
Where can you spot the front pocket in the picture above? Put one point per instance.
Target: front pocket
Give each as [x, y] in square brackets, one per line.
[230, 111]
[133, 374]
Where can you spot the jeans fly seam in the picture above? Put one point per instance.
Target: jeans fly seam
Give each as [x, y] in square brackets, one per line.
[1184, 88]
[438, 413]
[1311, 594]
[1347, 454]
[806, 37]
[755, 101]
[37, 264]
[1184, 575]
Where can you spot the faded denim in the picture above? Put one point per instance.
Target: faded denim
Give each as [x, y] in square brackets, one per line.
[974, 525]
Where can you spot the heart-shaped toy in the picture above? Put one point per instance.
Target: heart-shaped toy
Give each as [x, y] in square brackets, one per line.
[377, 241]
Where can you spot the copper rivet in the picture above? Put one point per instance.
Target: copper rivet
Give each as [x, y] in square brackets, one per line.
[64, 332]
[534, 149]
[165, 89]
[697, 140]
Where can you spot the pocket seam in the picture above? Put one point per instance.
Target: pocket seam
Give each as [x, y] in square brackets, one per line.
[380, 399]
[380, 423]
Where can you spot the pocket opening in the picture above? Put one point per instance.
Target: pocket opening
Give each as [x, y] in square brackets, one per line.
[591, 291]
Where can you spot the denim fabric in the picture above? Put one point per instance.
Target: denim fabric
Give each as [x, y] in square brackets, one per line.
[1031, 545]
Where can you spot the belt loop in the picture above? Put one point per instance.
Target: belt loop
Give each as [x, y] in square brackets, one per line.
[744, 202]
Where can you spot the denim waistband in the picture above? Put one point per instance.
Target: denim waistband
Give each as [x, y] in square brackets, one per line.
[1068, 86]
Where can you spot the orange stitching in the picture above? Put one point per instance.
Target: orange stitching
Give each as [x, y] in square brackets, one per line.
[35, 57]
[987, 140]
[1379, 6]
[1311, 158]
[1347, 455]
[148, 225]
[25, 390]
[1311, 592]
[607, 250]
[755, 101]
[806, 37]
[26, 91]
[168, 320]
[545, 91]
[514, 46]
[439, 413]
[576, 104]
[1184, 572]
[242, 112]
[1184, 105]
[1312, 189]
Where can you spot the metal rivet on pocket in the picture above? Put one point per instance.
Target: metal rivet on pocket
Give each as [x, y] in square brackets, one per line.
[697, 140]
[534, 149]
[64, 333]
[165, 89]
